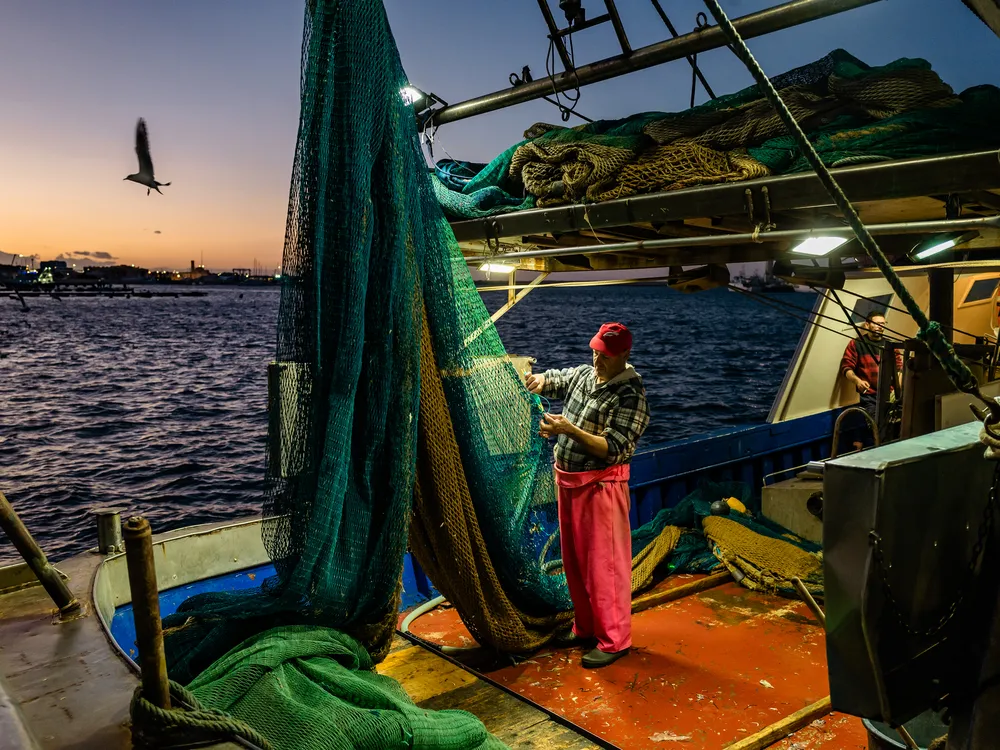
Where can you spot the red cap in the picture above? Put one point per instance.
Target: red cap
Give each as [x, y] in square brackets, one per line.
[613, 339]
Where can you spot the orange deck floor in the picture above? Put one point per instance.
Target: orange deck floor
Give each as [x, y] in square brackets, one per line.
[705, 671]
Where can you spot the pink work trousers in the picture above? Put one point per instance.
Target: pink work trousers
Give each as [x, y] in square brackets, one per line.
[597, 553]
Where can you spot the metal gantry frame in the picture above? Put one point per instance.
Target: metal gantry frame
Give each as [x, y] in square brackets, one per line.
[687, 45]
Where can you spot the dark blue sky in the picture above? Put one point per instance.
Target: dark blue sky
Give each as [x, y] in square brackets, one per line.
[217, 81]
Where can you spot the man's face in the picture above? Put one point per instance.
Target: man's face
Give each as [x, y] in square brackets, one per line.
[875, 327]
[608, 367]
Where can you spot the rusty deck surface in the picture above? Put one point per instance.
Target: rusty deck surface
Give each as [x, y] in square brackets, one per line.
[72, 690]
[705, 671]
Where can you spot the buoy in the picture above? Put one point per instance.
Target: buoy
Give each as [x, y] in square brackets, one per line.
[720, 508]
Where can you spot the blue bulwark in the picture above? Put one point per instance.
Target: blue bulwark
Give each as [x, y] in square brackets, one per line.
[416, 590]
[663, 475]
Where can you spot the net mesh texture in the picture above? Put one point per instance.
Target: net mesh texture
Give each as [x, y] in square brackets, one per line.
[397, 418]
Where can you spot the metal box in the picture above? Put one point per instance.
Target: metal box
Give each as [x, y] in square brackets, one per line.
[924, 499]
[785, 504]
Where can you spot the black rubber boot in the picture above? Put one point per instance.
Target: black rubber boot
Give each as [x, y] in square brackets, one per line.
[597, 658]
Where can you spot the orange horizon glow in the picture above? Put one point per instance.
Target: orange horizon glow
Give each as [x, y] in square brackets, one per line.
[200, 217]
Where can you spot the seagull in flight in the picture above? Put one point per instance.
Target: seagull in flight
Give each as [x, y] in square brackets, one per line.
[145, 174]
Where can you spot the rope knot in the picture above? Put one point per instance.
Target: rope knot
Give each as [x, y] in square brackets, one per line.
[155, 727]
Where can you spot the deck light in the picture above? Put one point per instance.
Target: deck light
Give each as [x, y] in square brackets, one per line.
[939, 243]
[411, 94]
[497, 268]
[819, 246]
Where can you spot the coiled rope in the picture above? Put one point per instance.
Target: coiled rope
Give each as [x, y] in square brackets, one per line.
[155, 727]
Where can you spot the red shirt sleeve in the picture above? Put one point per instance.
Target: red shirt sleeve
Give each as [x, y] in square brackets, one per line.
[850, 359]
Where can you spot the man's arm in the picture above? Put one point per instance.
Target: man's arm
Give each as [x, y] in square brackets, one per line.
[554, 383]
[626, 423]
[847, 364]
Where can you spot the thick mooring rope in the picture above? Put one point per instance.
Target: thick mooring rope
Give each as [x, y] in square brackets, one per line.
[930, 331]
[155, 727]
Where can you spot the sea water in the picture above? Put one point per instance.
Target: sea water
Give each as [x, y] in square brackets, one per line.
[159, 405]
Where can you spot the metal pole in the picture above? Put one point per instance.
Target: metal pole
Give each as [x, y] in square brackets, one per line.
[942, 299]
[28, 548]
[753, 25]
[808, 598]
[721, 240]
[146, 611]
[543, 5]
[109, 531]
[691, 61]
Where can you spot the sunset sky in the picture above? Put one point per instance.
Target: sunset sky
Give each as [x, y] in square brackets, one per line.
[217, 82]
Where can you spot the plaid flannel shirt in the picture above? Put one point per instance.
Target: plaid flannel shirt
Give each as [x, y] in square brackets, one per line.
[863, 356]
[615, 410]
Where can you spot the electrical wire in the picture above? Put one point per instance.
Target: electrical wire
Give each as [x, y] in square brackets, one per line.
[899, 309]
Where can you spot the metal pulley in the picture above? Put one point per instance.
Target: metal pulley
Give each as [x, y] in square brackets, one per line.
[574, 11]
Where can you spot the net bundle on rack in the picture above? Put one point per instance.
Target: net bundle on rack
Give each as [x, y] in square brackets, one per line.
[853, 112]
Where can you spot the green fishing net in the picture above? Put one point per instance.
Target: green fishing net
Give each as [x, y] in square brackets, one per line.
[305, 687]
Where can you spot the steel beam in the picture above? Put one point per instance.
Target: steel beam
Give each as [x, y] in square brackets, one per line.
[753, 25]
[988, 11]
[870, 182]
[723, 240]
[616, 21]
[550, 21]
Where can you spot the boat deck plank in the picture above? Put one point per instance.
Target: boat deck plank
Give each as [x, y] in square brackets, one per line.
[511, 720]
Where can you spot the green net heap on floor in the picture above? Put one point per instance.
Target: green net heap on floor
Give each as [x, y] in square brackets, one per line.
[397, 419]
[852, 112]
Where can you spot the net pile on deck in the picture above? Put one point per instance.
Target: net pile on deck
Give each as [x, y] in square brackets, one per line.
[853, 113]
[398, 420]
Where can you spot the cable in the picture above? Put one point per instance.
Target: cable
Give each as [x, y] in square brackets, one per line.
[692, 59]
[550, 64]
[423, 609]
[899, 309]
[768, 303]
[525, 77]
[930, 331]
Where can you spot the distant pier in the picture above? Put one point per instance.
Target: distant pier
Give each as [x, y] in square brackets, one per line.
[102, 292]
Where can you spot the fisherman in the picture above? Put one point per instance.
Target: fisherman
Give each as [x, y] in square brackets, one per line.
[604, 415]
[860, 363]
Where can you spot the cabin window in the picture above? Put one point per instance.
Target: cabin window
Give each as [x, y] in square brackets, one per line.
[863, 306]
[980, 290]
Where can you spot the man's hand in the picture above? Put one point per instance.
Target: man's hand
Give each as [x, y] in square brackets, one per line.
[556, 424]
[535, 383]
[863, 386]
